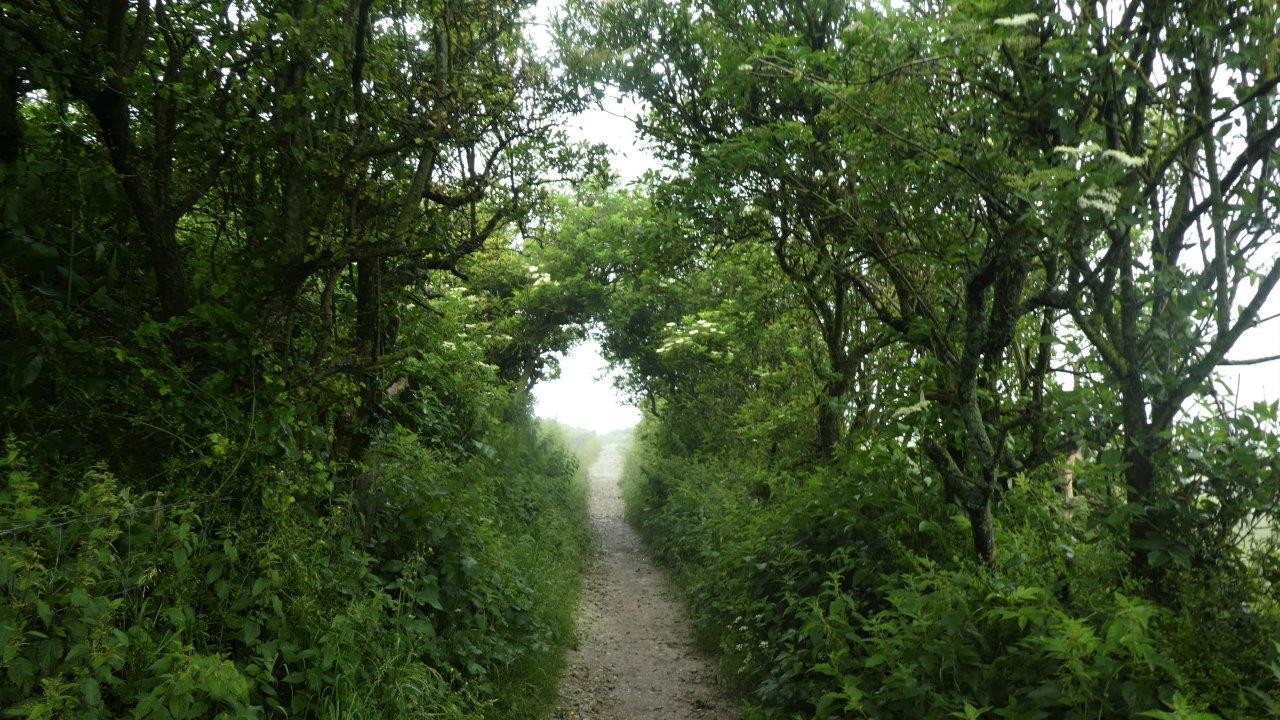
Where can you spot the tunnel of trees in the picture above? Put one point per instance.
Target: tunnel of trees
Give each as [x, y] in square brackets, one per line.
[927, 310]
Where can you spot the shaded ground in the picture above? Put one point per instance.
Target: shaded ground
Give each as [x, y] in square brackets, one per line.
[636, 658]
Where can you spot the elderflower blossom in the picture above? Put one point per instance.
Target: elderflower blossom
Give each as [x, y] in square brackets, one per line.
[1092, 148]
[1124, 158]
[1078, 150]
[1107, 200]
[1017, 20]
[678, 337]
[673, 344]
[540, 277]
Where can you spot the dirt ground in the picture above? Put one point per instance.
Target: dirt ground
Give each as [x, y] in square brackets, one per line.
[636, 658]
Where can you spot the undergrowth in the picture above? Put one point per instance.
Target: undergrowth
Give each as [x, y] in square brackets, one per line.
[456, 604]
[848, 592]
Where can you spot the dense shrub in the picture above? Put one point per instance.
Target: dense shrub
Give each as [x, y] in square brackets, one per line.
[127, 604]
[848, 591]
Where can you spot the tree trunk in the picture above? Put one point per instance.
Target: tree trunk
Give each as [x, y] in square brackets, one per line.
[972, 493]
[172, 285]
[10, 118]
[159, 225]
[835, 387]
[1140, 482]
[983, 529]
[369, 348]
[830, 417]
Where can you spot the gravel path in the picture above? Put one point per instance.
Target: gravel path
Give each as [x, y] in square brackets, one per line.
[636, 658]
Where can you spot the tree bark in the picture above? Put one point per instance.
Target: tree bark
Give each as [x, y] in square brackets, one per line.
[983, 529]
[1140, 481]
[972, 494]
[368, 332]
[159, 224]
[10, 118]
[172, 284]
[831, 416]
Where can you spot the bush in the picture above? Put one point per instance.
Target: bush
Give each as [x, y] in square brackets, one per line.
[847, 591]
[122, 604]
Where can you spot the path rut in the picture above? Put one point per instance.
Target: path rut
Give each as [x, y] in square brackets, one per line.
[636, 658]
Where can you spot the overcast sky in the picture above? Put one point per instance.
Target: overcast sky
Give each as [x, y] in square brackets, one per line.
[584, 395]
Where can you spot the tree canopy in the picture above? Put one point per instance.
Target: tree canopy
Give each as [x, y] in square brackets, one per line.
[926, 309]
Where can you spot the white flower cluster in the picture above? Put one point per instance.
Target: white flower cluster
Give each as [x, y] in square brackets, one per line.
[742, 627]
[1017, 20]
[1105, 199]
[678, 336]
[1078, 151]
[539, 277]
[1091, 148]
[461, 292]
[1124, 158]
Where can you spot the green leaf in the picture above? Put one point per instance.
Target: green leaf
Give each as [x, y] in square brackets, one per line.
[250, 632]
[29, 372]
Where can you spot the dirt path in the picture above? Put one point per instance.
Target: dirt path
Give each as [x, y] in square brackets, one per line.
[635, 658]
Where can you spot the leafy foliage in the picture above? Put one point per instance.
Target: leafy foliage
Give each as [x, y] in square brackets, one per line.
[918, 271]
[265, 361]
[846, 591]
[196, 608]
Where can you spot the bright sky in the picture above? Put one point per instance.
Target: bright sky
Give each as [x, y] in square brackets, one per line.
[1256, 382]
[584, 395]
[609, 125]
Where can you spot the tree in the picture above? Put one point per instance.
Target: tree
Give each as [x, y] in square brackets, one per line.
[856, 151]
[1177, 153]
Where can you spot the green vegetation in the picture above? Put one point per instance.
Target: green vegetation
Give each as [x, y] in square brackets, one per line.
[457, 607]
[926, 311]
[846, 591]
[267, 331]
[584, 444]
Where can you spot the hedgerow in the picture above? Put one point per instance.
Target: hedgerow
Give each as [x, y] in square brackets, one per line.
[849, 591]
[456, 604]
